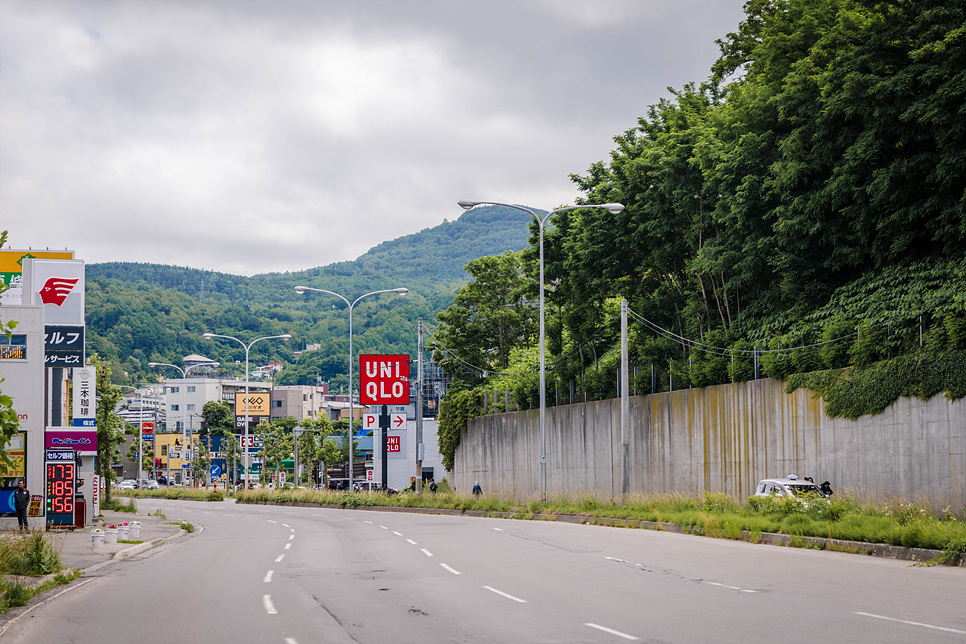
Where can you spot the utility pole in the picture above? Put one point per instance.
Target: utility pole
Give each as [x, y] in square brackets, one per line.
[419, 408]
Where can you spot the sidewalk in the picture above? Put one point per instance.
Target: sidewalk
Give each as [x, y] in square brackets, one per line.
[77, 551]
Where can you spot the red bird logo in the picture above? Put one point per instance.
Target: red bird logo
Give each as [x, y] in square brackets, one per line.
[56, 290]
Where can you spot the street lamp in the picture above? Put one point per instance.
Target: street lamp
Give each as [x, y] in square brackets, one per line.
[247, 456]
[612, 208]
[303, 289]
[184, 403]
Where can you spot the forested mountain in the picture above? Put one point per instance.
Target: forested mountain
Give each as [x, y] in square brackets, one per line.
[806, 204]
[138, 313]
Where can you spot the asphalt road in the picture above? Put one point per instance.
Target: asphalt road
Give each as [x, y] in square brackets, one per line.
[300, 575]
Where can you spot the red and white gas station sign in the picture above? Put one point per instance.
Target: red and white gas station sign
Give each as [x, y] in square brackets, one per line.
[384, 380]
[393, 444]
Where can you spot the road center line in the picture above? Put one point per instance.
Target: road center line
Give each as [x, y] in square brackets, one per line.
[279, 558]
[447, 568]
[411, 541]
[291, 536]
[904, 621]
[398, 534]
[503, 594]
[740, 590]
[290, 640]
[269, 607]
[268, 576]
[270, 521]
[426, 552]
[383, 527]
[287, 546]
[611, 631]
[286, 525]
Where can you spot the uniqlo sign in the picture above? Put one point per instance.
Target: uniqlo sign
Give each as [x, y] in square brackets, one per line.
[392, 443]
[384, 380]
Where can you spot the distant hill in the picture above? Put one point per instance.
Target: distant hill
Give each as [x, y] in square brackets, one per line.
[425, 261]
[139, 312]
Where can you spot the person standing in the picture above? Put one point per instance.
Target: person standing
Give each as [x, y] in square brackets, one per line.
[21, 502]
[477, 490]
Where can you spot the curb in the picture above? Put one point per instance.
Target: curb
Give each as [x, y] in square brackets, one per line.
[883, 550]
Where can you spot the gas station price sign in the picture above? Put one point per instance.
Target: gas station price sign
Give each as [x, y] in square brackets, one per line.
[60, 492]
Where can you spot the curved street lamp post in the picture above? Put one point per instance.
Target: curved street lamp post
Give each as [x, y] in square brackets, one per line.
[184, 403]
[303, 289]
[612, 208]
[246, 455]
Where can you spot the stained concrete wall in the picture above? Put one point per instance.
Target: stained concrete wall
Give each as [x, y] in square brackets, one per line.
[722, 439]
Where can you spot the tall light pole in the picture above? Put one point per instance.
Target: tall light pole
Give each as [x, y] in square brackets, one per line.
[184, 403]
[612, 208]
[303, 289]
[245, 454]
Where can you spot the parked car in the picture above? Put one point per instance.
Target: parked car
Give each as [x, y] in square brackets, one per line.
[373, 486]
[127, 484]
[792, 486]
[151, 484]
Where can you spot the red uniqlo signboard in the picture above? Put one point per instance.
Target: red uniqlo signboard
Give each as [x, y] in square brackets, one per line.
[384, 380]
[392, 443]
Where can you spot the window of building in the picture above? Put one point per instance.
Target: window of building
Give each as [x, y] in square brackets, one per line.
[191, 389]
[278, 403]
[164, 450]
[173, 390]
[191, 407]
[176, 407]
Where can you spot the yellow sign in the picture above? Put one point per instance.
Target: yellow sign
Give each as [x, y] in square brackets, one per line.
[11, 261]
[18, 456]
[259, 404]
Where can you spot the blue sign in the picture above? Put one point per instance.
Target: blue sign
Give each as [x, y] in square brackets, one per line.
[215, 470]
[84, 422]
[60, 455]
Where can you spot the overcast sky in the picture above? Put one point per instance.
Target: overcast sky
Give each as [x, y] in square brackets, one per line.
[279, 135]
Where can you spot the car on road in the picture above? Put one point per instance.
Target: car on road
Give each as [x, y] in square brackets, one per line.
[127, 484]
[789, 487]
[150, 484]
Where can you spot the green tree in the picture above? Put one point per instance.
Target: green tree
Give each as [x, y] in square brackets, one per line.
[9, 423]
[147, 456]
[110, 432]
[218, 417]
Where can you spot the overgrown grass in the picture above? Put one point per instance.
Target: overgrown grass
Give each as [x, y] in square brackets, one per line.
[13, 592]
[32, 554]
[892, 521]
[191, 494]
[120, 505]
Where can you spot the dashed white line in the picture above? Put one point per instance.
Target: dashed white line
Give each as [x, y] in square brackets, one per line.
[268, 576]
[904, 621]
[290, 640]
[398, 534]
[498, 529]
[503, 594]
[286, 525]
[611, 631]
[291, 536]
[287, 546]
[740, 590]
[269, 607]
[270, 521]
[383, 527]
[369, 522]
[411, 541]
[452, 570]
[426, 552]
[279, 558]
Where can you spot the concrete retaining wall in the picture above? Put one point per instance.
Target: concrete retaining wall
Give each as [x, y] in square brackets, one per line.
[722, 439]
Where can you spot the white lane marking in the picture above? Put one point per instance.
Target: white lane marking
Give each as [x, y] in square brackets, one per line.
[269, 607]
[411, 541]
[503, 594]
[611, 631]
[270, 521]
[290, 640]
[279, 558]
[291, 536]
[904, 621]
[369, 522]
[287, 546]
[452, 570]
[426, 552]
[383, 527]
[398, 534]
[740, 590]
[292, 530]
[286, 525]
[498, 529]
[268, 576]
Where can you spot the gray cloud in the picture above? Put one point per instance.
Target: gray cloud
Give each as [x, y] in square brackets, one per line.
[251, 137]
